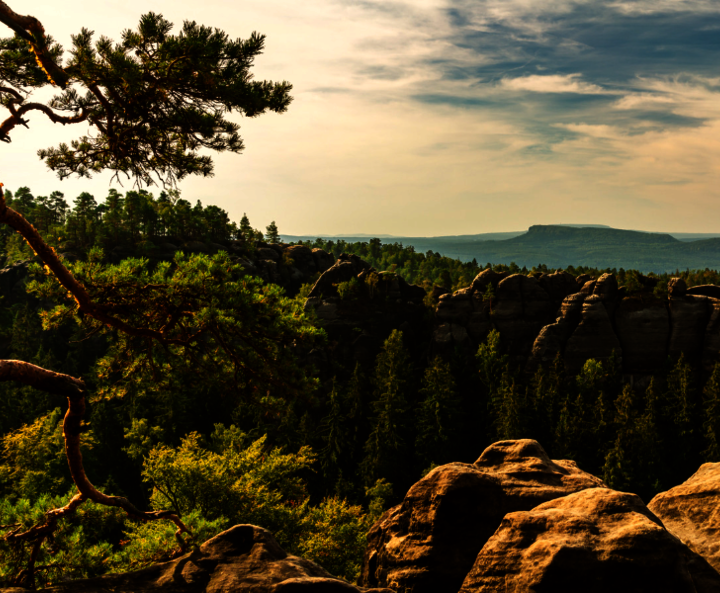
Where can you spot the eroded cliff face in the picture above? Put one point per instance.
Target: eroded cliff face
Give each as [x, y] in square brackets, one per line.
[539, 317]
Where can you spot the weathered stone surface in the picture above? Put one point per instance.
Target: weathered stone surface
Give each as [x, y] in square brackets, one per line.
[558, 285]
[689, 316]
[455, 307]
[302, 258]
[593, 338]
[481, 281]
[583, 279]
[643, 328]
[606, 288]
[594, 541]
[553, 338]
[691, 511]
[588, 288]
[522, 309]
[429, 542]
[677, 287]
[708, 290]
[243, 559]
[323, 260]
[345, 268]
[320, 585]
[711, 344]
[268, 253]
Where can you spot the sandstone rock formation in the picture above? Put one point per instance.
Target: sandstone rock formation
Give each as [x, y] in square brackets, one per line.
[594, 337]
[243, 559]
[689, 316]
[691, 511]
[429, 542]
[643, 328]
[595, 541]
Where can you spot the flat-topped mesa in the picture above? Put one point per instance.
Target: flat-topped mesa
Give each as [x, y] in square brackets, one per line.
[429, 542]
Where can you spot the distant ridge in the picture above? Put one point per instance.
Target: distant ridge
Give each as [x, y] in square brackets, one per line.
[560, 246]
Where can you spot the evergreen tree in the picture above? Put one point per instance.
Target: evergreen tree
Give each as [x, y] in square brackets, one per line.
[438, 414]
[387, 446]
[247, 233]
[271, 233]
[619, 468]
[334, 437]
[681, 416]
[711, 416]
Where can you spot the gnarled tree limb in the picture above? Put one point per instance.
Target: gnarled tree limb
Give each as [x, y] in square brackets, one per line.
[31, 30]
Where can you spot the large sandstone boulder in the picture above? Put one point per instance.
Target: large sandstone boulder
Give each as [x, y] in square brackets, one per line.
[429, 542]
[243, 559]
[643, 328]
[691, 511]
[594, 541]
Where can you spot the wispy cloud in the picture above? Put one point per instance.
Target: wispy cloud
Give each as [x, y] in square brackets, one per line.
[551, 83]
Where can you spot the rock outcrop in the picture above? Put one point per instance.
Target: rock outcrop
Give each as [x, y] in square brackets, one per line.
[691, 511]
[643, 328]
[543, 316]
[594, 337]
[594, 541]
[429, 542]
[243, 559]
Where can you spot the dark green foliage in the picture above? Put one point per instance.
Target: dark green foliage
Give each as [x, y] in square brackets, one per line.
[271, 233]
[387, 450]
[711, 415]
[437, 417]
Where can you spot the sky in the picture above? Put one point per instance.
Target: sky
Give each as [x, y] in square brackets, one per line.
[442, 117]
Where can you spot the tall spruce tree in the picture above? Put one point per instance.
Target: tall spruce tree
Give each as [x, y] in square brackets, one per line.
[387, 450]
[271, 233]
[711, 416]
[437, 417]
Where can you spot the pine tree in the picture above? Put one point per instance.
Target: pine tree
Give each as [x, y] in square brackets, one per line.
[682, 415]
[438, 414]
[387, 447]
[711, 416]
[619, 469]
[334, 436]
[271, 233]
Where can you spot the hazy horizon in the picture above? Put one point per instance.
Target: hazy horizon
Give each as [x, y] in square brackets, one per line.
[448, 117]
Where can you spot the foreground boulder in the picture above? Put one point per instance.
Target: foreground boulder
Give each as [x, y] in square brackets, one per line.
[430, 541]
[691, 511]
[243, 559]
[594, 541]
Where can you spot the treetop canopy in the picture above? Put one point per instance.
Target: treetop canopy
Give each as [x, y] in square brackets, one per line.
[153, 100]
